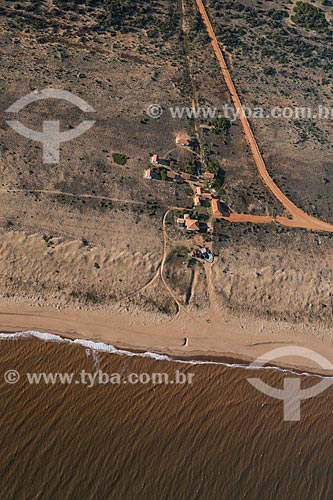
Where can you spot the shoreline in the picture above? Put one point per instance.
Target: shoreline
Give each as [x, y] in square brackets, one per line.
[230, 362]
[229, 340]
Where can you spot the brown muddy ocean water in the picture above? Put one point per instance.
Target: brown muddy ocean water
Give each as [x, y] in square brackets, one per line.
[217, 438]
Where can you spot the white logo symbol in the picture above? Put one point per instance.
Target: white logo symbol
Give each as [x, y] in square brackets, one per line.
[50, 137]
[154, 111]
[292, 394]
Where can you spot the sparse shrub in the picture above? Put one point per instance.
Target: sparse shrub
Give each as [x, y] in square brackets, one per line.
[119, 158]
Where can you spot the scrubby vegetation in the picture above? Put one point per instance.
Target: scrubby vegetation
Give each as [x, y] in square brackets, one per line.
[222, 125]
[219, 173]
[309, 16]
[98, 17]
[254, 26]
[192, 167]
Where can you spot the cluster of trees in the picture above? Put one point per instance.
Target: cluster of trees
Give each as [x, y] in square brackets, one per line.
[192, 167]
[219, 173]
[309, 16]
[222, 126]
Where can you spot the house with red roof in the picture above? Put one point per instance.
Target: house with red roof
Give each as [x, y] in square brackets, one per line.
[191, 224]
[216, 207]
[183, 141]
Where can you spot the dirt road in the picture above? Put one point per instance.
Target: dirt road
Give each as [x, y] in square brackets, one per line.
[299, 218]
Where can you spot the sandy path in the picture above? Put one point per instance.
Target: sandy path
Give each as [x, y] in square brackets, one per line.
[300, 218]
[180, 306]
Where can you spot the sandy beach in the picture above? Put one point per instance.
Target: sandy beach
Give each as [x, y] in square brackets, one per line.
[237, 339]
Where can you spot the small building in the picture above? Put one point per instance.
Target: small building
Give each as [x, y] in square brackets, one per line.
[171, 175]
[201, 195]
[182, 141]
[155, 160]
[181, 222]
[148, 173]
[209, 175]
[191, 224]
[186, 176]
[197, 201]
[206, 196]
[216, 206]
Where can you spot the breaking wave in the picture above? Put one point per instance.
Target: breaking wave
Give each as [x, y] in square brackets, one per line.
[96, 347]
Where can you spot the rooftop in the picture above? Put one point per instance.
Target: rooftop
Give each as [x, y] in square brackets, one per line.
[216, 206]
[182, 141]
[186, 176]
[191, 224]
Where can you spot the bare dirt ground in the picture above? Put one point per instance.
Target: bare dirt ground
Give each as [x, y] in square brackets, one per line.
[92, 234]
[89, 222]
[299, 217]
[275, 63]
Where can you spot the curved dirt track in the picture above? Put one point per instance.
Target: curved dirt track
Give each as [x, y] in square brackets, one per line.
[180, 306]
[299, 218]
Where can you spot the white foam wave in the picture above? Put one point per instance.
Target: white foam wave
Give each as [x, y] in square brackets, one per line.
[95, 347]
